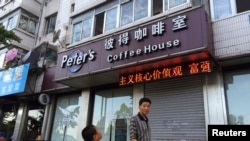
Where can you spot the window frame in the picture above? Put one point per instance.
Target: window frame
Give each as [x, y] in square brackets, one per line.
[120, 13]
[28, 28]
[12, 22]
[48, 25]
[74, 34]
[80, 19]
[233, 6]
[119, 24]
[231, 79]
[105, 113]
[116, 20]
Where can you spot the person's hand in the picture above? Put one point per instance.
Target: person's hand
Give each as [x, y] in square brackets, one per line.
[134, 140]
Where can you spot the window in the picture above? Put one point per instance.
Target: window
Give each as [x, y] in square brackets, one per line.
[111, 19]
[133, 10]
[141, 9]
[175, 3]
[242, 5]
[50, 24]
[157, 7]
[12, 22]
[72, 8]
[126, 13]
[225, 8]
[99, 19]
[65, 125]
[27, 24]
[222, 9]
[237, 95]
[117, 13]
[82, 26]
[76, 32]
[111, 113]
[86, 26]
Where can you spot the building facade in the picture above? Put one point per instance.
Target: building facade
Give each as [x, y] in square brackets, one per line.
[190, 57]
[22, 17]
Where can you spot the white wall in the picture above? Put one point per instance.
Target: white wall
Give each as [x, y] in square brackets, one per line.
[62, 8]
[214, 98]
[30, 5]
[27, 41]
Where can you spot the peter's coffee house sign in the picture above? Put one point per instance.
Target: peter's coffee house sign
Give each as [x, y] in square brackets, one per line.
[179, 33]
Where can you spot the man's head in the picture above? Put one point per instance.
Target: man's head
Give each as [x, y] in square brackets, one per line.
[91, 133]
[144, 106]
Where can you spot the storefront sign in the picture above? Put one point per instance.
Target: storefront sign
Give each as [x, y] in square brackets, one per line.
[168, 37]
[166, 72]
[76, 59]
[13, 80]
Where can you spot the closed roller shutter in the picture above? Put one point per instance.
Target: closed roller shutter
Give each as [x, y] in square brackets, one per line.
[177, 110]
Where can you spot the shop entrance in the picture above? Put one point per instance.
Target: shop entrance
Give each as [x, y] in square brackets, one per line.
[34, 120]
[112, 111]
[8, 113]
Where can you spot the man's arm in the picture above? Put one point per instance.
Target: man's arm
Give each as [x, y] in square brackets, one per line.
[133, 129]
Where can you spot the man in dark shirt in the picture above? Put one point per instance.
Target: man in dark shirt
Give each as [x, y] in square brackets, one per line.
[139, 128]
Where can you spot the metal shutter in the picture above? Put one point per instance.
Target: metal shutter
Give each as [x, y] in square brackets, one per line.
[177, 110]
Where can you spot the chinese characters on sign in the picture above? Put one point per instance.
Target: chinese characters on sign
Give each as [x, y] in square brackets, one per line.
[166, 72]
[141, 33]
[13, 80]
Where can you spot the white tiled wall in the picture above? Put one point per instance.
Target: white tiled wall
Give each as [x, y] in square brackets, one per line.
[232, 36]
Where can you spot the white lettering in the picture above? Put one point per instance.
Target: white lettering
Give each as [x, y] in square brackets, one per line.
[147, 49]
[216, 132]
[77, 59]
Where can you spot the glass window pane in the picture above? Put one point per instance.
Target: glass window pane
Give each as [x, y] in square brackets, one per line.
[87, 28]
[76, 32]
[166, 5]
[237, 94]
[14, 23]
[112, 110]
[174, 3]
[222, 9]
[66, 119]
[23, 24]
[111, 19]
[52, 24]
[10, 21]
[32, 26]
[141, 9]
[127, 13]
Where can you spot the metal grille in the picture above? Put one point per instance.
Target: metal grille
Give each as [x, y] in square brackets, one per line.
[177, 110]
